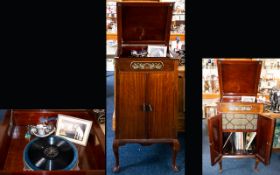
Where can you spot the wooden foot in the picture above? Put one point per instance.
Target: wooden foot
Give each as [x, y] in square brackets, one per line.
[256, 165]
[220, 166]
[175, 149]
[116, 153]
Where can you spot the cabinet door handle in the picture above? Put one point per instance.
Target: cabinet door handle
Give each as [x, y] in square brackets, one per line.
[144, 107]
[150, 107]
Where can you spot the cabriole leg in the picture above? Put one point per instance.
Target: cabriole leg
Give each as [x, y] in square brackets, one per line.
[220, 166]
[116, 153]
[175, 150]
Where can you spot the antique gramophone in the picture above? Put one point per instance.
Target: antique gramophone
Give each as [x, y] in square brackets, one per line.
[240, 130]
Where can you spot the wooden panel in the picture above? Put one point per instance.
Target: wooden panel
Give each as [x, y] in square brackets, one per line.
[237, 78]
[162, 95]
[140, 22]
[240, 108]
[181, 102]
[130, 97]
[124, 64]
[5, 137]
[215, 138]
[264, 138]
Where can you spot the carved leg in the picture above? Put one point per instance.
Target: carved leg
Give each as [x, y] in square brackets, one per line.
[116, 153]
[256, 165]
[220, 166]
[175, 149]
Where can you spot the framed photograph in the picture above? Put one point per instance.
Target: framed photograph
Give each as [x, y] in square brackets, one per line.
[73, 129]
[248, 99]
[157, 51]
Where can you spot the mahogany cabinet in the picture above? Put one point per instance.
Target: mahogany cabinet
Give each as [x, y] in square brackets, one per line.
[181, 99]
[146, 88]
[91, 158]
[240, 130]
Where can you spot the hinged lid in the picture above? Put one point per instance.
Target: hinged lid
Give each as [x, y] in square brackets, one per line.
[239, 78]
[144, 22]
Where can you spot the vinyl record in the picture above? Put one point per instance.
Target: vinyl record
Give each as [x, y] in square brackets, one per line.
[50, 153]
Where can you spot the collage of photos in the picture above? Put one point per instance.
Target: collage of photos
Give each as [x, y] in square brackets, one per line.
[145, 125]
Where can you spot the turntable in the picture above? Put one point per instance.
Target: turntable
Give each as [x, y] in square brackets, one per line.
[52, 154]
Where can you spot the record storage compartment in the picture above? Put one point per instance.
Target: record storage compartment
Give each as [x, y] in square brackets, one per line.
[91, 158]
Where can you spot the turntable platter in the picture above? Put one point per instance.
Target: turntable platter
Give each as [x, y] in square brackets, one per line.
[50, 153]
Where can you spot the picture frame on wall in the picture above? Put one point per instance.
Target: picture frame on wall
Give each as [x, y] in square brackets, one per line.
[73, 129]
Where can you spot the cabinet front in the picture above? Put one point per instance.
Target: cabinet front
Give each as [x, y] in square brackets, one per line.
[130, 98]
[264, 138]
[215, 138]
[161, 93]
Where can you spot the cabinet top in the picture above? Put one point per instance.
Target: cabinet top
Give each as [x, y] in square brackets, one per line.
[239, 78]
[144, 22]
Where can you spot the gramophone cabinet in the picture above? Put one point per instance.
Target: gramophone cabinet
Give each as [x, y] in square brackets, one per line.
[146, 88]
[13, 127]
[240, 130]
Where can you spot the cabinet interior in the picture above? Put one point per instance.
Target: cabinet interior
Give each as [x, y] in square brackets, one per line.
[239, 143]
[126, 51]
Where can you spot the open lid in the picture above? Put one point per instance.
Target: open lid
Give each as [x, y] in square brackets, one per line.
[239, 78]
[144, 22]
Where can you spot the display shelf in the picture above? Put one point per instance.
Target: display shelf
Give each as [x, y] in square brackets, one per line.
[173, 36]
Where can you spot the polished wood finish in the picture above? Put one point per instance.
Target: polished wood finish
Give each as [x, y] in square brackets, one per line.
[215, 138]
[91, 157]
[265, 134]
[5, 138]
[136, 124]
[143, 23]
[240, 78]
[236, 107]
[146, 89]
[181, 99]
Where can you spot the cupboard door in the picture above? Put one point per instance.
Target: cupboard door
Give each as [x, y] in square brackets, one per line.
[215, 138]
[265, 133]
[162, 98]
[130, 97]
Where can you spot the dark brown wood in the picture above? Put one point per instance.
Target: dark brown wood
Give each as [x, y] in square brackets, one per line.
[5, 137]
[256, 165]
[181, 100]
[162, 95]
[240, 78]
[220, 166]
[215, 138]
[143, 23]
[237, 78]
[146, 89]
[175, 150]
[116, 153]
[124, 64]
[91, 157]
[264, 138]
[225, 107]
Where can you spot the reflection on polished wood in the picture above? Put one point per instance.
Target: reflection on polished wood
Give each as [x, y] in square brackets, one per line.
[13, 142]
